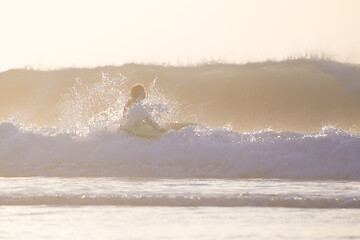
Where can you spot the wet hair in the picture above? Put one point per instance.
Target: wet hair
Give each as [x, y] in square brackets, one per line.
[137, 91]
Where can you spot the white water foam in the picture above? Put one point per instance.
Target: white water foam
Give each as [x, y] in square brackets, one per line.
[193, 152]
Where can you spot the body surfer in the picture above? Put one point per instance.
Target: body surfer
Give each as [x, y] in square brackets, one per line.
[138, 94]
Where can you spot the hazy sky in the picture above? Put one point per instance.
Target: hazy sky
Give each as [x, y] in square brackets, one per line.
[52, 34]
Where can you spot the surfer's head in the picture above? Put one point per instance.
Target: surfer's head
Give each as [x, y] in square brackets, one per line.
[138, 91]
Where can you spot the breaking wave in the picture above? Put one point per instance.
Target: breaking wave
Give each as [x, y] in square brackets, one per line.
[193, 152]
[78, 113]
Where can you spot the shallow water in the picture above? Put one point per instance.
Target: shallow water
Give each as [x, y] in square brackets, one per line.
[179, 192]
[143, 208]
[120, 222]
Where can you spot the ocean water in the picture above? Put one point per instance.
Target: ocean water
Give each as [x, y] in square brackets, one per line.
[196, 183]
[143, 208]
[290, 171]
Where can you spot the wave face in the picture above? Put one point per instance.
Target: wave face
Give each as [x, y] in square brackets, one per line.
[84, 108]
[193, 152]
[294, 95]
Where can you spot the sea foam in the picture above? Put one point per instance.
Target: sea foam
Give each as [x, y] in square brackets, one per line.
[193, 152]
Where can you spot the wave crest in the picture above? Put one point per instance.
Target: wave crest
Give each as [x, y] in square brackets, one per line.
[193, 152]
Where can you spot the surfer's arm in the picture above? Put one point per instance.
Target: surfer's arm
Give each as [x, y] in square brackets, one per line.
[153, 124]
[127, 106]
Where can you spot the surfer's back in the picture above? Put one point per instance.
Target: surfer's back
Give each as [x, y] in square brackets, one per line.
[137, 94]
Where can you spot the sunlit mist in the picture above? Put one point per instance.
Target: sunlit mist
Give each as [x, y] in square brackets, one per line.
[180, 119]
[53, 34]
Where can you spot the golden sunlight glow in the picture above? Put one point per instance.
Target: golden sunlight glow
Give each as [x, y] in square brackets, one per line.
[49, 34]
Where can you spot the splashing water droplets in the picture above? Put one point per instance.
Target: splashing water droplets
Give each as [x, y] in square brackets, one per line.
[95, 106]
[162, 109]
[90, 107]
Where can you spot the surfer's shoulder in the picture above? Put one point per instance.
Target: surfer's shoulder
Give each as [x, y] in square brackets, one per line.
[129, 103]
